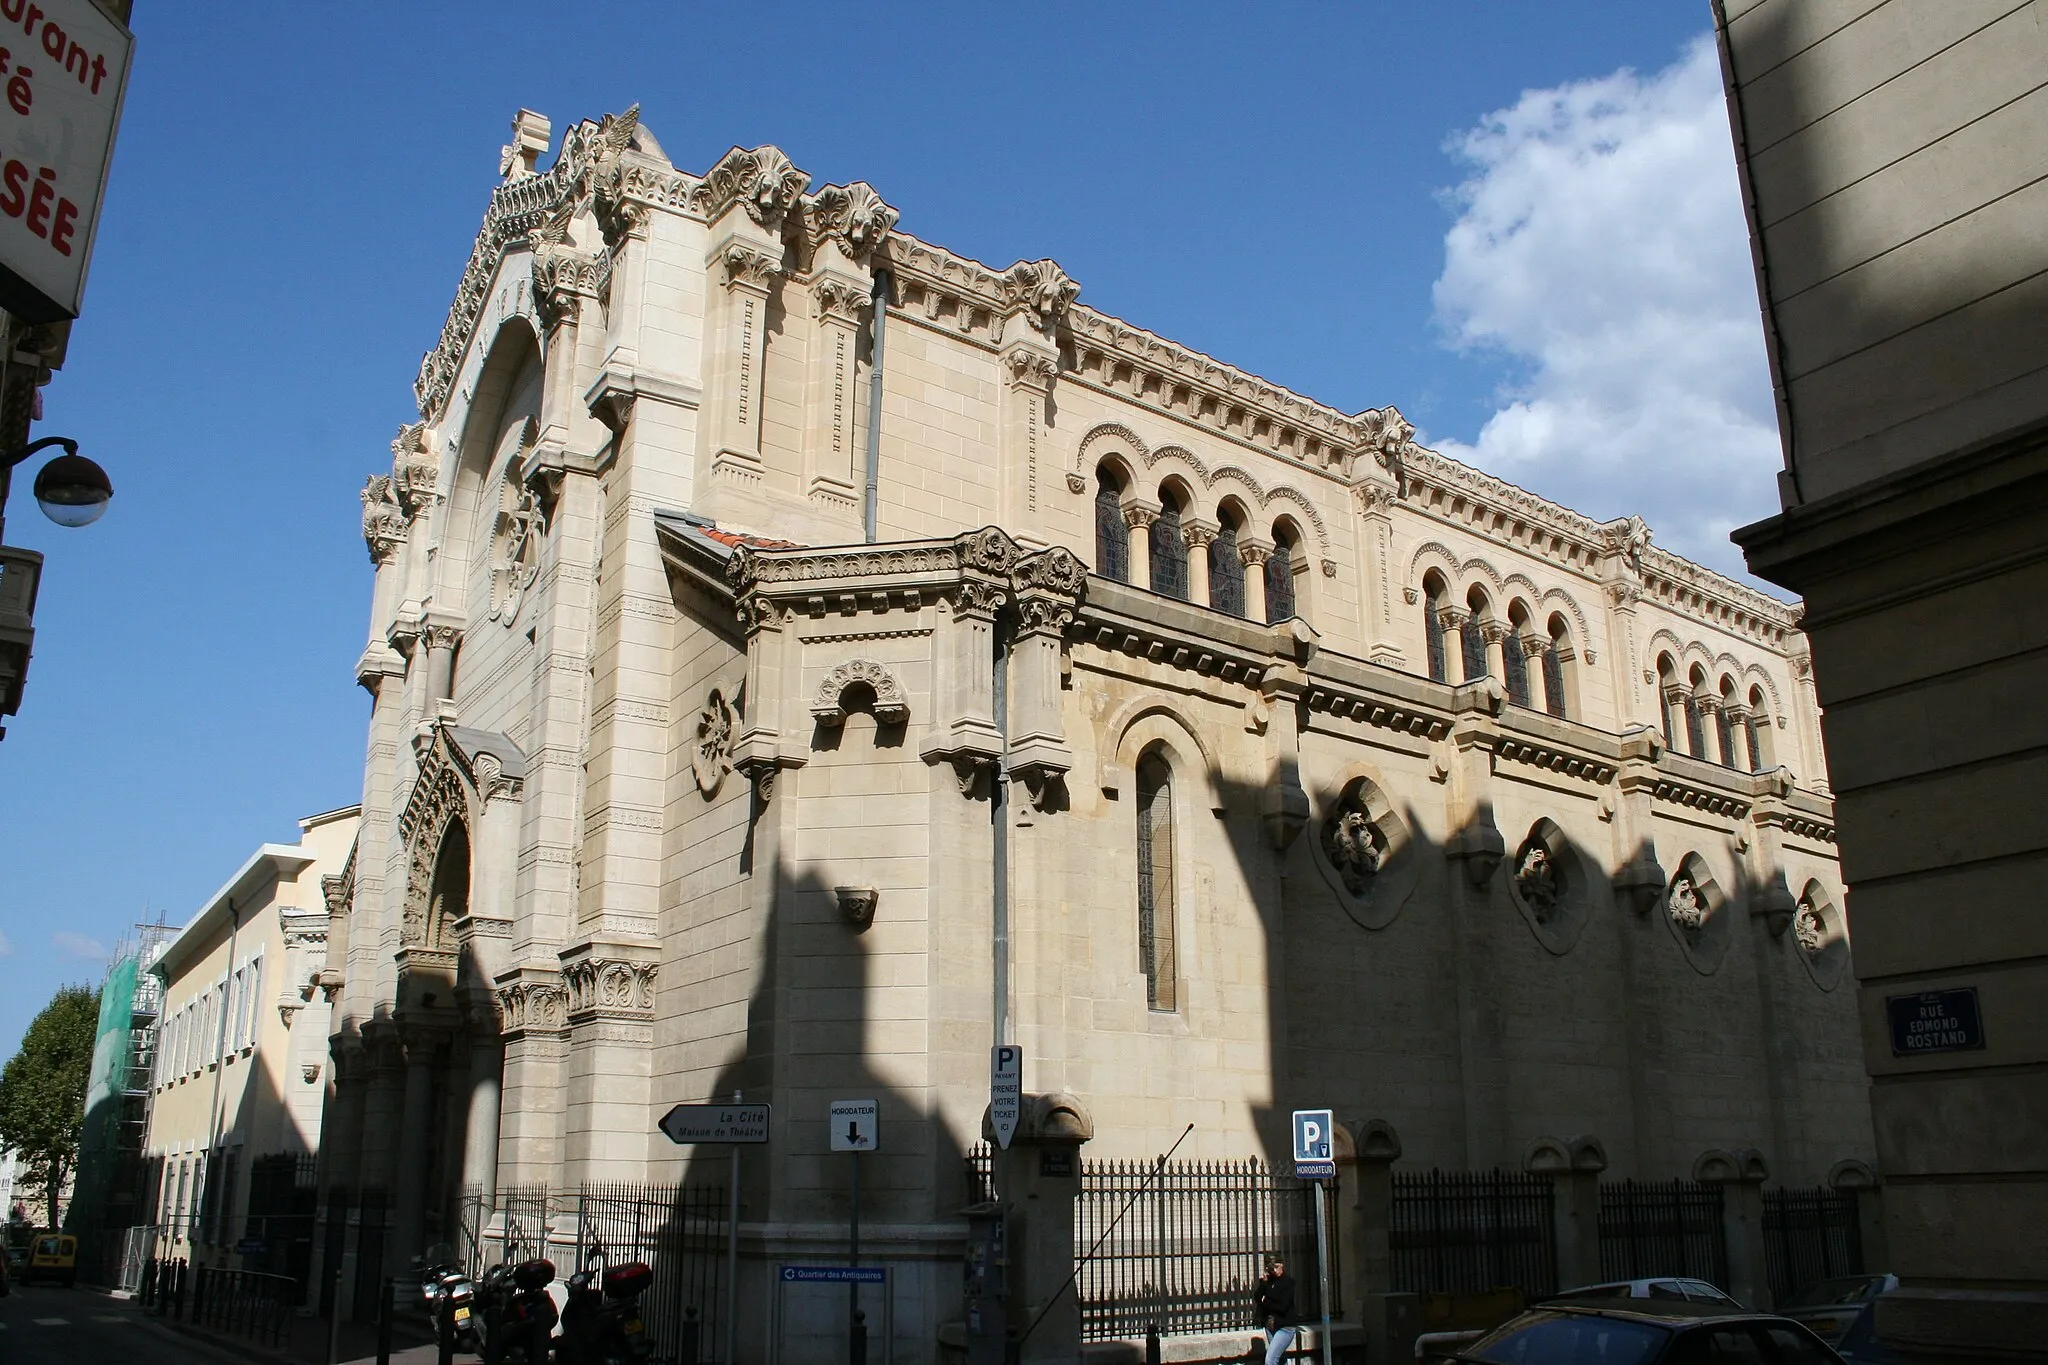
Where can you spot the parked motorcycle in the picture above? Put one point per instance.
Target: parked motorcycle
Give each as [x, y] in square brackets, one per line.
[518, 1313]
[601, 1323]
[450, 1298]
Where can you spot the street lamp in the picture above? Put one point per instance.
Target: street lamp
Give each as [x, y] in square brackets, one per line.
[71, 490]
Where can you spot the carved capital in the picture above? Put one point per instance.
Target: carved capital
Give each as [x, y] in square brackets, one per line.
[1624, 595]
[414, 469]
[1198, 533]
[1139, 513]
[750, 267]
[384, 521]
[837, 299]
[610, 987]
[1375, 498]
[533, 1007]
[853, 215]
[1253, 552]
[1031, 369]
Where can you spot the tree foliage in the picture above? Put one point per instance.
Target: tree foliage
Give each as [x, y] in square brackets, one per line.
[42, 1091]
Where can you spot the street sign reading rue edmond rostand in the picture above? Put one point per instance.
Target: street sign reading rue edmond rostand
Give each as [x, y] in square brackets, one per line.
[716, 1123]
[64, 74]
[1935, 1021]
[1313, 1157]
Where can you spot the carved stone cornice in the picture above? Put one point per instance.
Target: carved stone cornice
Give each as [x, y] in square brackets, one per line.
[1039, 290]
[853, 215]
[761, 181]
[384, 520]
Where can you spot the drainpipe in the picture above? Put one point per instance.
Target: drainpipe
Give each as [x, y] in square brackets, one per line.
[999, 812]
[878, 305]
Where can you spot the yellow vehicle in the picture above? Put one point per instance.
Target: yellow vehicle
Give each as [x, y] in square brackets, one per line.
[52, 1256]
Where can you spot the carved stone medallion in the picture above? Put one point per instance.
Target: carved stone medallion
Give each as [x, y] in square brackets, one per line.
[1536, 880]
[1352, 845]
[1686, 906]
[711, 756]
[1360, 845]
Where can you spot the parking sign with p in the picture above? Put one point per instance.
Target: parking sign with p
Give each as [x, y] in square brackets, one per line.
[1314, 1158]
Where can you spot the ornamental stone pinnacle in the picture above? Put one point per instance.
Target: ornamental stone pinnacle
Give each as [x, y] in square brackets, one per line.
[853, 214]
[762, 181]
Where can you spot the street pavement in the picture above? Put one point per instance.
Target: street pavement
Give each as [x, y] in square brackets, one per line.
[46, 1325]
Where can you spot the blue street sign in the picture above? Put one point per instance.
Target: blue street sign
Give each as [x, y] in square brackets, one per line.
[1313, 1157]
[835, 1274]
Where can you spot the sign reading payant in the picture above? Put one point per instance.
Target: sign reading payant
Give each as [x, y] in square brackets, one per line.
[1005, 1091]
[1313, 1157]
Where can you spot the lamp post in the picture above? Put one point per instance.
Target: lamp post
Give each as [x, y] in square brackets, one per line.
[72, 491]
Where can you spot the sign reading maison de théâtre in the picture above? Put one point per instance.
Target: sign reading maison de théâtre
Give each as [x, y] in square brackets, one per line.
[63, 71]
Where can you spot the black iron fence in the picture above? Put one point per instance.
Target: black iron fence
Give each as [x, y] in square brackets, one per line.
[1810, 1234]
[1471, 1231]
[1667, 1227]
[277, 1232]
[1183, 1246]
[679, 1231]
[245, 1303]
[372, 1215]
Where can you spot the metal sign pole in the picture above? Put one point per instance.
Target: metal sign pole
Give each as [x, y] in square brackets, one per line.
[1323, 1265]
[732, 1256]
[854, 1353]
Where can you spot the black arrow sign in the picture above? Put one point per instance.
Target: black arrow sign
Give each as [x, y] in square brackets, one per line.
[853, 1134]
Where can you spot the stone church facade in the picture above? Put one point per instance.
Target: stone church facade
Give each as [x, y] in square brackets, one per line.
[771, 698]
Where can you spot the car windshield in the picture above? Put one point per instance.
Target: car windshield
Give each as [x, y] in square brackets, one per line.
[1826, 1293]
[1569, 1339]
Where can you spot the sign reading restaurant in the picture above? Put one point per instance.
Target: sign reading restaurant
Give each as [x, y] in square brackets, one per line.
[63, 72]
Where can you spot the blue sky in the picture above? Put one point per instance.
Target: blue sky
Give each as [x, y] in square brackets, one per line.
[1515, 221]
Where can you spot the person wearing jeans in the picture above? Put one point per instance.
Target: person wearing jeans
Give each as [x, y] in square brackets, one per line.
[1275, 1308]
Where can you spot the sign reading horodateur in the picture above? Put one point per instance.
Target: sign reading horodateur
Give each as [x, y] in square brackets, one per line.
[63, 71]
[1935, 1021]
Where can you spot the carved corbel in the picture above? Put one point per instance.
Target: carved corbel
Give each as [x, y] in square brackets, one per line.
[857, 905]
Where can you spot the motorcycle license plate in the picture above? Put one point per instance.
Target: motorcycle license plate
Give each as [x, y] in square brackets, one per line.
[461, 1315]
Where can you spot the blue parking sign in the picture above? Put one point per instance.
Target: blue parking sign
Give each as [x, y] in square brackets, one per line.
[1314, 1157]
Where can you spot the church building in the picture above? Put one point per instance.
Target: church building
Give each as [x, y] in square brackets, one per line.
[804, 658]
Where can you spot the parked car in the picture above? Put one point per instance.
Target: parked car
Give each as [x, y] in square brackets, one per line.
[1829, 1308]
[1669, 1287]
[1637, 1332]
[52, 1256]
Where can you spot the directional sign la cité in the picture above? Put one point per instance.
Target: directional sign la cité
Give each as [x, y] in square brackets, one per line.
[688, 1123]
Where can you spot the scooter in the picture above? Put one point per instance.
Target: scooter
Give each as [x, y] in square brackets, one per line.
[518, 1313]
[601, 1323]
[450, 1298]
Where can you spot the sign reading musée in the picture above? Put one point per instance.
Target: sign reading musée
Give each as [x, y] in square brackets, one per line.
[63, 72]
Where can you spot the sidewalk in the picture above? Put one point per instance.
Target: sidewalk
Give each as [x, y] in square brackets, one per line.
[307, 1343]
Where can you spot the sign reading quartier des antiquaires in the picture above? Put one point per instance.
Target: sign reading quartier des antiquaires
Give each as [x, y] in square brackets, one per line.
[63, 72]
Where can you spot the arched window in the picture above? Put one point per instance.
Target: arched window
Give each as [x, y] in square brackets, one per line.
[1763, 754]
[448, 898]
[1226, 569]
[1724, 726]
[1473, 636]
[1156, 898]
[1169, 551]
[1557, 659]
[1112, 534]
[1695, 728]
[1514, 665]
[1280, 570]
[1435, 596]
[1667, 699]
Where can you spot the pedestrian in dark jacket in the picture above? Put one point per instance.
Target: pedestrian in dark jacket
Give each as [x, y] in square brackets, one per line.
[1275, 1310]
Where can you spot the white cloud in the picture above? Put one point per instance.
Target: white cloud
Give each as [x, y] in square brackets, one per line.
[78, 945]
[1601, 248]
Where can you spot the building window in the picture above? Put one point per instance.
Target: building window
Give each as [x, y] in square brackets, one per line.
[1169, 551]
[1226, 571]
[1155, 883]
[1112, 534]
[1556, 686]
[1433, 629]
[1280, 604]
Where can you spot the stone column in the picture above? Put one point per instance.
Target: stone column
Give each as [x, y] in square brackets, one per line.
[746, 259]
[1139, 514]
[1035, 296]
[1805, 713]
[1741, 1175]
[1197, 535]
[440, 640]
[1039, 1178]
[844, 224]
[1376, 496]
[422, 1055]
[1253, 553]
[1496, 634]
[480, 1138]
[1710, 732]
[1741, 754]
[1048, 586]
[1474, 851]
[383, 1104]
[1638, 892]
[536, 1045]
[1574, 1165]
[1678, 729]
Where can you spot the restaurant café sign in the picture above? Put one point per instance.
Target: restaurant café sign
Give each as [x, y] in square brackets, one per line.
[63, 71]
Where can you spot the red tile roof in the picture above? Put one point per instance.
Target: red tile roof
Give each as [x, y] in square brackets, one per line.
[735, 540]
